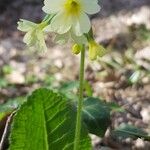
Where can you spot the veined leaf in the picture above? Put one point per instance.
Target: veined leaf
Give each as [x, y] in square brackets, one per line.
[68, 86]
[10, 106]
[115, 107]
[96, 115]
[126, 131]
[68, 89]
[88, 88]
[46, 122]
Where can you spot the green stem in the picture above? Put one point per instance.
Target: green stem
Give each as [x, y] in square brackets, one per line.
[80, 101]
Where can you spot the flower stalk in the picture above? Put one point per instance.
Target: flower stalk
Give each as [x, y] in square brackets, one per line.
[80, 100]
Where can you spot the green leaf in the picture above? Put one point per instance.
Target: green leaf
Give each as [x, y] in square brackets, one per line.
[69, 89]
[3, 83]
[46, 122]
[7, 69]
[2, 115]
[115, 107]
[96, 115]
[68, 86]
[135, 77]
[130, 131]
[10, 105]
[88, 89]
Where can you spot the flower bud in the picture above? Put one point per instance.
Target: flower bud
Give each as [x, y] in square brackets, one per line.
[96, 50]
[76, 48]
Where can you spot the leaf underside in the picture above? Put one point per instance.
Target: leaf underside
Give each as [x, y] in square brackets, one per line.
[129, 131]
[46, 122]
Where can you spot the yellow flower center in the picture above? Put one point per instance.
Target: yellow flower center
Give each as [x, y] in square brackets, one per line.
[72, 7]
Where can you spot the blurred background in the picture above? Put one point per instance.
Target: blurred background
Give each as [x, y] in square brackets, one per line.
[122, 76]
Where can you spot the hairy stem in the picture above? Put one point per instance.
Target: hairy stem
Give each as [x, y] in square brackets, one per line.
[80, 101]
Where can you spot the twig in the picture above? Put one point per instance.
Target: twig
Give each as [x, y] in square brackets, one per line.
[5, 133]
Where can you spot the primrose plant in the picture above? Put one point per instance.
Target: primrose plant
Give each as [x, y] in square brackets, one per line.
[48, 120]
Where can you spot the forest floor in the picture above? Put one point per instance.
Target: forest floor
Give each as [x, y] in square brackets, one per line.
[122, 76]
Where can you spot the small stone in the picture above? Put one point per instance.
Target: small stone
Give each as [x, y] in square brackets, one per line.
[95, 139]
[139, 144]
[15, 78]
[128, 140]
[58, 63]
[137, 107]
[58, 76]
[140, 17]
[145, 113]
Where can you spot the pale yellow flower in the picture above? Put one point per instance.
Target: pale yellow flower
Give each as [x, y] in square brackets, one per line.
[96, 50]
[34, 34]
[70, 15]
[63, 38]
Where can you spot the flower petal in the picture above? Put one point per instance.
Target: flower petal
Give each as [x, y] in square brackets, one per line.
[78, 39]
[90, 6]
[101, 51]
[92, 54]
[28, 38]
[62, 38]
[25, 25]
[60, 24]
[41, 45]
[53, 6]
[81, 25]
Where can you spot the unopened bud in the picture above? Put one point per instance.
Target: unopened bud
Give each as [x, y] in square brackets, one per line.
[96, 50]
[76, 49]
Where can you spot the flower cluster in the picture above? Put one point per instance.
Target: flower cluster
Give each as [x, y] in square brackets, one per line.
[68, 19]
